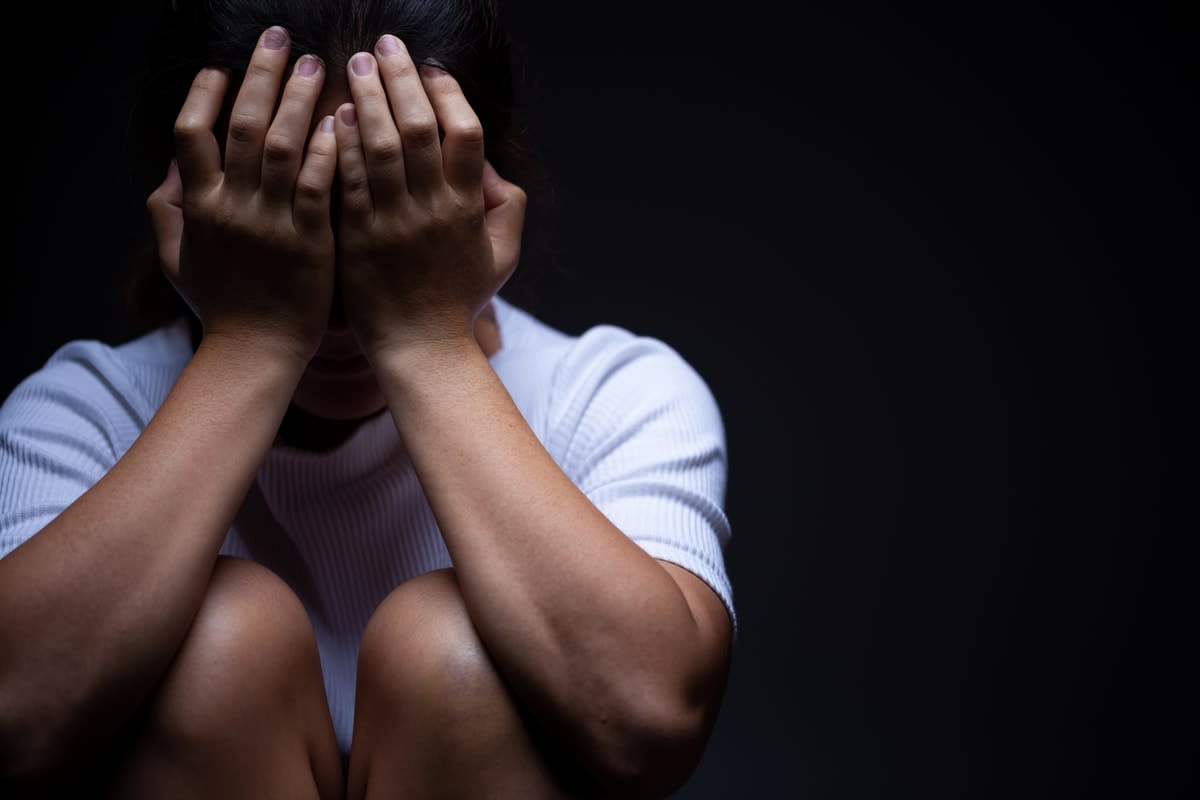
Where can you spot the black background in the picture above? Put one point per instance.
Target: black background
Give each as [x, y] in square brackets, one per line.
[931, 265]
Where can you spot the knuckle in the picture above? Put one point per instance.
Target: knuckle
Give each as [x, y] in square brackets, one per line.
[244, 128]
[322, 147]
[466, 131]
[309, 191]
[443, 213]
[400, 68]
[354, 185]
[187, 128]
[387, 149]
[372, 92]
[420, 133]
[279, 147]
[258, 69]
[224, 215]
[463, 206]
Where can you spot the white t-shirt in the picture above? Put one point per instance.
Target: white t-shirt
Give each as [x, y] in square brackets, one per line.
[624, 416]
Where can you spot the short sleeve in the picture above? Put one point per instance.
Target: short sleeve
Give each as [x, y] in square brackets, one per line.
[61, 430]
[639, 431]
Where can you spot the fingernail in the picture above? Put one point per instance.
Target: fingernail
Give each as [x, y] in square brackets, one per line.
[349, 116]
[430, 71]
[275, 38]
[327, 124]
[389, 45]
[361, 64]
[308, 65]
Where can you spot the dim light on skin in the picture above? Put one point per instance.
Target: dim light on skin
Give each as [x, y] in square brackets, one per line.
[339, 383]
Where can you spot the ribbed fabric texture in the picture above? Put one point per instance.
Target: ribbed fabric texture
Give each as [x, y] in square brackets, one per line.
[624, 416]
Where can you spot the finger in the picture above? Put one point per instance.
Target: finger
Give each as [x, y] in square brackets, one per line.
[196, 146]
[504, 216]
[380, 140]
[462, 147]
[165, 206]
[357, 202]
[414, 117]
[315, 181]
[253, 109]
[283, 149]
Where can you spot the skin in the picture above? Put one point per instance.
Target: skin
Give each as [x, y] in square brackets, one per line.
[333, 405]
[567, 632]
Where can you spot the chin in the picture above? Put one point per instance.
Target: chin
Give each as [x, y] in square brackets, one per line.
[339, 398]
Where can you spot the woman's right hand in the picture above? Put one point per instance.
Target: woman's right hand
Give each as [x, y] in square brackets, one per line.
[250, 248]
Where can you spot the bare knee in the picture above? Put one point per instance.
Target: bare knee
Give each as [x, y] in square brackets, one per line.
[434, 713]
[241, 710]
[249, 652]
[420, 648]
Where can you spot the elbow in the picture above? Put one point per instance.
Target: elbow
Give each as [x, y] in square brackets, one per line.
[32, 751]
[26, 757]
[649, 750]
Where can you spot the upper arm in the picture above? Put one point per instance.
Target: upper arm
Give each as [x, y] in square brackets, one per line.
[640, 433]
[57, 439]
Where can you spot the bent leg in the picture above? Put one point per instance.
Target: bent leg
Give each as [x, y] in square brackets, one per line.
[241, 711]
[433, 718]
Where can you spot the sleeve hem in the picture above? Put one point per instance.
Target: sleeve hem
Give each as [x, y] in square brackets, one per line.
[682, 557]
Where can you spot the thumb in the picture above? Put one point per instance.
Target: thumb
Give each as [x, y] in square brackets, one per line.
[504, 214]
[165, 206]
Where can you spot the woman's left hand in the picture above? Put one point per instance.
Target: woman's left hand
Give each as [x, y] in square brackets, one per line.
[428, 231]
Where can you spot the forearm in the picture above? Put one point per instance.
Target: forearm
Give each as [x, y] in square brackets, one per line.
[589, 629]
[93, 607]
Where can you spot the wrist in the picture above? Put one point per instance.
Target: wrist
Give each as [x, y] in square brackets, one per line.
[415, 365]
[415, 353]
[248, 354]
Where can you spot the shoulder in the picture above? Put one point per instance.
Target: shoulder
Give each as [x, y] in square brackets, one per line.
[66, 424]
[605, 364]
[581, 388]
[115, 387]
[599, 352]
[613, 373]
[624, 401]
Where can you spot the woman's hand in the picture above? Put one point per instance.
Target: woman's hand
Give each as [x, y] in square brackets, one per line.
[250, 248]
[428, 231]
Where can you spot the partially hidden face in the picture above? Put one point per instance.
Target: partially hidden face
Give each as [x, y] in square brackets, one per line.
[338, 383]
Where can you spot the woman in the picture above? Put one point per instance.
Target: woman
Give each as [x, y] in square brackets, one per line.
[368, 530]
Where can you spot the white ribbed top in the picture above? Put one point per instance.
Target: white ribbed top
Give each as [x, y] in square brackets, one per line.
[625, 417]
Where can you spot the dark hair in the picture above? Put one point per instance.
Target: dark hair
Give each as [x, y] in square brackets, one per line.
[463, 36]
